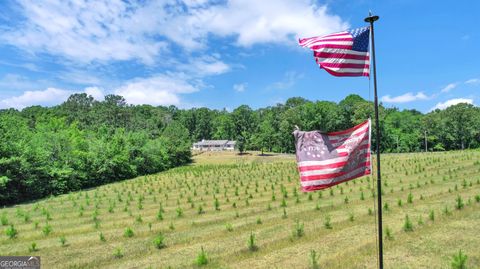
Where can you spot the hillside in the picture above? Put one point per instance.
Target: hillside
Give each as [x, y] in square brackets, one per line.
[221, 199]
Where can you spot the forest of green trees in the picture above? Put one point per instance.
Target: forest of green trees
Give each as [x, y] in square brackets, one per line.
[84, 143]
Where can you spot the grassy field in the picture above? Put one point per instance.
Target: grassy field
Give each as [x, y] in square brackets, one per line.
[222, 200]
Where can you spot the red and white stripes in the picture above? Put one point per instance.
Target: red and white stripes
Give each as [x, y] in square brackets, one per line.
[352, 159]
[335, 54]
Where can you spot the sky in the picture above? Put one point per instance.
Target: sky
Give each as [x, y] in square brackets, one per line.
[222, 54]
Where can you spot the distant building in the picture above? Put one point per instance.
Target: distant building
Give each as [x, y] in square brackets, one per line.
[214, 145]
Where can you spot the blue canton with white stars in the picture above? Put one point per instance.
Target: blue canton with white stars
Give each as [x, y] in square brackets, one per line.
[360, 38]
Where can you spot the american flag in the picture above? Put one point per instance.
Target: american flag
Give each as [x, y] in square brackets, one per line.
[343, 54]
[327, 159]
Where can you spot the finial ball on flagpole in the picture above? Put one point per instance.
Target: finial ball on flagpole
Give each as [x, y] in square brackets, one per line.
[371, 18]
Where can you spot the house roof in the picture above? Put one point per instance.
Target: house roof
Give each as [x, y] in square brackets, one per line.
[214, 143]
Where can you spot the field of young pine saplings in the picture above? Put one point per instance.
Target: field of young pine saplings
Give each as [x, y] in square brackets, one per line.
[229, 211]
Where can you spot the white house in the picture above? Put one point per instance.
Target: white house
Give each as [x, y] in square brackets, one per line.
[214, 145]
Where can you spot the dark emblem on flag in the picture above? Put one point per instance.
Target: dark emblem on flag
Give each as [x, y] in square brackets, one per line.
[327, 159]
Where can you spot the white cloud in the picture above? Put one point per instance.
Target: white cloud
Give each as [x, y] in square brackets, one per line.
[240, 87]
[195, 3]
[95, 92]
[212, 68]
[449, 87]
[81, 77]
[289, 79]
[452, 102]
[252, 21]
[85, 31]
[405, 98]
[203, 66]
[162, 89]
[473, 81]
[92, 34]
[28, 66]
[19, 82]
[50, 96]
[97, 31]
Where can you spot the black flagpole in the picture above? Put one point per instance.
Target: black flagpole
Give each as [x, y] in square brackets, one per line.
[372, 19]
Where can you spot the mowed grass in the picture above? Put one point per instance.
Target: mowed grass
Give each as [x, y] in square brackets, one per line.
[222, 199]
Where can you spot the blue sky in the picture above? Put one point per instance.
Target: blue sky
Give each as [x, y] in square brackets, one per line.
[221, 54]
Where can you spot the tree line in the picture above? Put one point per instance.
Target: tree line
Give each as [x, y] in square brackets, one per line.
[84, 143]
[270, 128]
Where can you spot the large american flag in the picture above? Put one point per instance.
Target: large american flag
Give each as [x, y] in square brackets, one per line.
[327, 159]
[343, 54]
